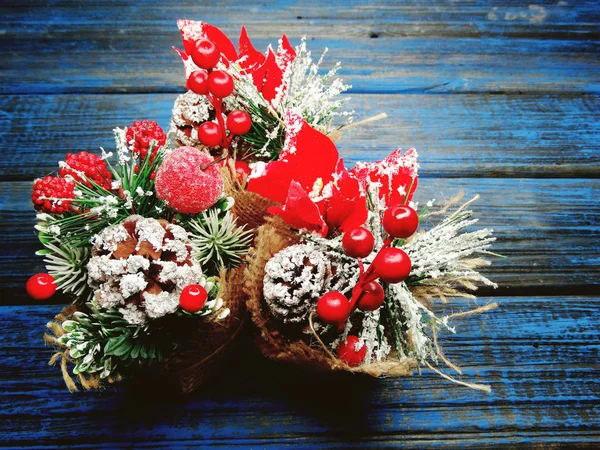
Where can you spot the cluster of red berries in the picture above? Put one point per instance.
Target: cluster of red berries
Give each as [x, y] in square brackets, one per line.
[84, 166]
[141, 134]
[52, 195]
[390, 265]
[215, 85]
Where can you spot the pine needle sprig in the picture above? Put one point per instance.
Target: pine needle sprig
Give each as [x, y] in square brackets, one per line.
[67, 265]
[102, 341]
[219, 242]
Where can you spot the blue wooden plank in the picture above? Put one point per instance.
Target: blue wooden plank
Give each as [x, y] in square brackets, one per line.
[544, 379]
[420, 47]
[456, 135]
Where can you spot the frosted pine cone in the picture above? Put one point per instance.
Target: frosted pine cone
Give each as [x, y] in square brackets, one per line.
[189, 112]
[296, 277]
[142, 265]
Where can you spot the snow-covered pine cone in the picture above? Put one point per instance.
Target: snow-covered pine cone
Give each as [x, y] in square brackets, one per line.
[296, 277]
[189, 112]
[141, 266]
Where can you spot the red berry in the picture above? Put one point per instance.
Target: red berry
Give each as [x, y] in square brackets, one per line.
[141, 133]
[192, 298]
[347, 351]
[205, 54]
[220, 83]
[238, 122]
[372, 297]
[242, 168]
[41, 286]
[400, 221]
[392, 265]
[333, 308]
[197, 82]
[85, 167]
[358, 243]
[52, 194]
[210, 134]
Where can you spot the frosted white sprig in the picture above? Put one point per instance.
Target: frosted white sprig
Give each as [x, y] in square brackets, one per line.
[443, 250]
[67, 265]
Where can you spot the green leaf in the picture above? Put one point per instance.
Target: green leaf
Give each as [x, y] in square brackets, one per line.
[114, 343]
[135, 351]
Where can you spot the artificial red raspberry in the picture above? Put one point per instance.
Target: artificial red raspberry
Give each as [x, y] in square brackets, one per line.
[141, 134]
[52, 194]
[92, 166]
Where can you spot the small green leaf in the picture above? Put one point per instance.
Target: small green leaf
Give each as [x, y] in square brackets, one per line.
[114, 343]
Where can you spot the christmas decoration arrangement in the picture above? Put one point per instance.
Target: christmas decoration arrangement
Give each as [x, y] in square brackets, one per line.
[145, 243]
[247, 203]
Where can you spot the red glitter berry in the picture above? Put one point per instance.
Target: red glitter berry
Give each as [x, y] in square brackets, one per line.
[181, 182]
[141, 134]
[348, 353]
[84, 166]
[52, 194]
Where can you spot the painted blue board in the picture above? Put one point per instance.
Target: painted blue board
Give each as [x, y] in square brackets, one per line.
[540, 361]
[490, 91]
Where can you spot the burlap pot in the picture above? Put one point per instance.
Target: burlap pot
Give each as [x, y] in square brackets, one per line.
[273, 236]
[202, 346]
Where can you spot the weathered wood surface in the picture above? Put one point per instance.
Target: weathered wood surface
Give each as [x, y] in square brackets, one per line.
[456, 135]
[501, 99]
[411, 46]
[538, 353]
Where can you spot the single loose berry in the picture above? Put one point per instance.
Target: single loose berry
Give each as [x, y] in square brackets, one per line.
[181, 182]
[205, 54]
[392, 265]
[372, 297]
[333, 308]
[210, 134]
[400, 221]
[53, 195]
[239, 122]
[352, 351]
[242, 168]
[41, 286]
[197, 82]
[358, 243]
[220, 83]
[86, 167]
[192, 298]
[140, 135]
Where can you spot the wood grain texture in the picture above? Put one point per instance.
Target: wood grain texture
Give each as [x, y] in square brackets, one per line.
[548, 229]
[411, 47]
[456, 135]
[500, 97]
[538, 353]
